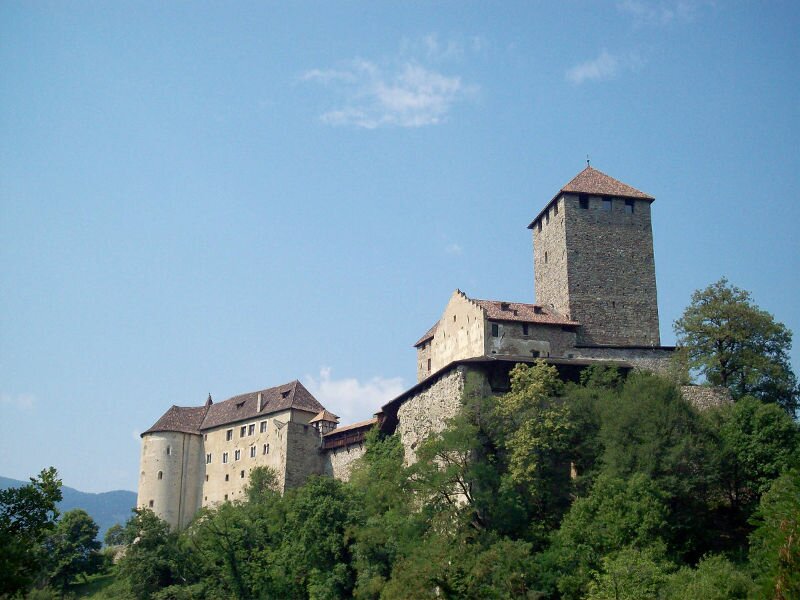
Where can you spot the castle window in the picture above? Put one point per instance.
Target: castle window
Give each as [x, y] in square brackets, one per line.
[208, 459]
[237, 455]
[241, 474]
[495, 330]
[227, 477]
[161, 475]
[251, 429]
[206, 477]
[629, 206]
[224, 457]
[607, 204]
[266, 449]
[535, 353]
[205, 437]
[539, 225]
[243, 431]
[169, 450]
[226, 497]
[583, 201]
[545, 257]
[555, 208]
[229, 435]
[429, 364]
[252, 451]
[263, 427]
[547, 216]
[150, 504]
[285, 394]
[524, 329]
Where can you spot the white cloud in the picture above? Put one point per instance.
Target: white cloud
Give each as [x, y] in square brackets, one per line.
[407, 95]
[603, 68]
[18, 401]
[660, 12]
[351, 399]
[454, 249]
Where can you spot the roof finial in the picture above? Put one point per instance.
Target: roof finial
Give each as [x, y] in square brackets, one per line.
[587, 161]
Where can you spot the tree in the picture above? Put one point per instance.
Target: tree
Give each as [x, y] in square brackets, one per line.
[72, 549]
[735, 344]
[27, 514]
[262, 486]
[115, 535]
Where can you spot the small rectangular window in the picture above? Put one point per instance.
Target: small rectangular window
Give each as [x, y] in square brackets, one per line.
[429, 364]
[206, 477]
[243, 431]
[539, 224]
[241, 474]
[547, 216]
[252, 451]
[229, 435]
[251, 429]
[555, 208]
[524, 329]
[535, 353]
[226, 497]
[224, 457]
[607, 204]
[583, 201]
[629, 206]
[151, 503]
[227, 477]
[237, 455]
[169, 450]
[208, 459]
[263, 428]
[266, 449]
[495, 330]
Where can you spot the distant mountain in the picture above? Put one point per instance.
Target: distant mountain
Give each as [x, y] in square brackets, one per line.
[106, 508]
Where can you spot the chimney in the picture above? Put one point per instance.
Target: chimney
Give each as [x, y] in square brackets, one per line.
[260, 402]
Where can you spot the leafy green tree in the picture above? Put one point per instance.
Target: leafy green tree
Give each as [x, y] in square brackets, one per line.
[262, 486]
[617, 513]
[630, 574]
[735, 344]
[72, 548]
[152, 559]
[715, 578]
[775, 544]
[27, 514]
[115, 535]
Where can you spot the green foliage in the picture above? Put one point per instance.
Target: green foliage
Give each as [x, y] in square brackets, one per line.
[630, 574]
[735, 344]
[262, 487]
[775, 544]
[27, 514]
[715, 578]
[617, 513]
[115, 535]
[72, 549]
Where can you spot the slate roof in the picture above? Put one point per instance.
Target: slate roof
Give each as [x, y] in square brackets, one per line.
[243, 407]
[182, 419]
[499, 310]
[239, 408]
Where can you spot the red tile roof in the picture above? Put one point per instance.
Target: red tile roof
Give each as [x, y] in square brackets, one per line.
[498, 310]
[592, 181]
[325, 415]
[428, 335]
[239, 408]
[359, 425]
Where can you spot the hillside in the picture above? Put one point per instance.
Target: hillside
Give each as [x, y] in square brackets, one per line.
[106, 508]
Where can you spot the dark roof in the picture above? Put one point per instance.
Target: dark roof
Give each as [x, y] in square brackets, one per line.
[498, 310]
[361, 424]
[428, 335]
[182, 419]
[594, 182]
[325, 415]
[242, 407]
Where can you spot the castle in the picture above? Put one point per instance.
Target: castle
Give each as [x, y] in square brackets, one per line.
[595, 288]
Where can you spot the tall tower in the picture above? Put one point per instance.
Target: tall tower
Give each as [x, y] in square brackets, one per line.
[593, 260]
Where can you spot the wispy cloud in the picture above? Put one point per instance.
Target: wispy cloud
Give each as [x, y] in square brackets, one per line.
[18, 401]
[454, 249]
[372, 96]
[661, 12]
[604, 67]
[351, 399]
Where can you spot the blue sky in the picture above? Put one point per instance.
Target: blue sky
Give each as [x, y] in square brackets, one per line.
[205, 197]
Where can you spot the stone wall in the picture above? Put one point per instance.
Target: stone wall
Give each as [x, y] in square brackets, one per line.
[703, 397]
[460, 332]
[655, 360]
[428, 410]
[339, 462]
[546, 340]
[597, 267]
[424, 362]
[303, 456]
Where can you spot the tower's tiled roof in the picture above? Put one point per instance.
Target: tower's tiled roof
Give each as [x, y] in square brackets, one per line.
[239, 408]
[592, 181]
[325, 415]
[245, 406]
[181, 419]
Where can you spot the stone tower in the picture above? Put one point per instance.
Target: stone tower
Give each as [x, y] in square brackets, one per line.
[593, 260]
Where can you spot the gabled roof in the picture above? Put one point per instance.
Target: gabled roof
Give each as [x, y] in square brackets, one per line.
[361, 424]
[181, 419]
[245, 406]
[500, 310]
[596, 183]
[325, 415]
